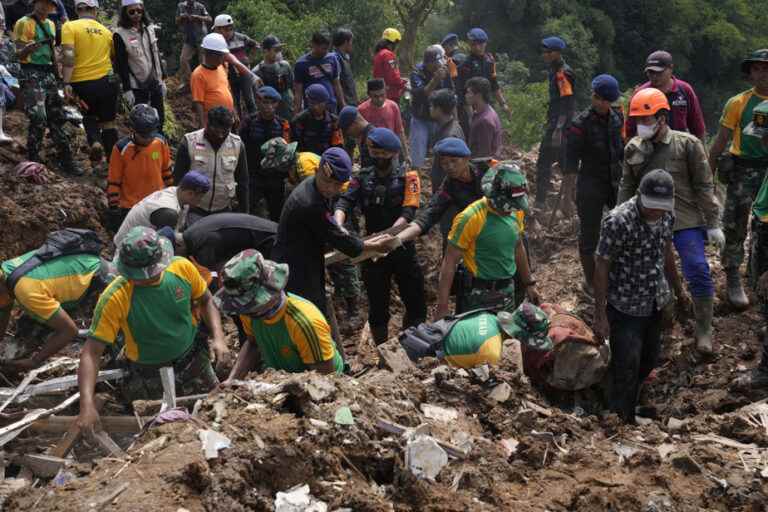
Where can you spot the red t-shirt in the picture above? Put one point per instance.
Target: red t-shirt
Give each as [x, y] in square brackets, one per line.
[388, 116]
[385, 67]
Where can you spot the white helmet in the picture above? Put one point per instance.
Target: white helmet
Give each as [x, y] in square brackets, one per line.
[223, 20]
[215, 43]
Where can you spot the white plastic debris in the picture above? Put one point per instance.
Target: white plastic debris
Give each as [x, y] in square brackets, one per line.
[443, 414]
[501, 393]
[212, 442]
[298, 499]
[168, 380]
[424, 457]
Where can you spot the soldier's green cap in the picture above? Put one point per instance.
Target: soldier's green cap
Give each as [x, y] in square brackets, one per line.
[529, 324]
[506, 188]
[755, 57]
[278, 153]
[143, 254]
[250, 282]
[759, 125]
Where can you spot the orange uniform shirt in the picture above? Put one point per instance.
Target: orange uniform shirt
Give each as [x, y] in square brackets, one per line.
[211, 88]
[136, 172]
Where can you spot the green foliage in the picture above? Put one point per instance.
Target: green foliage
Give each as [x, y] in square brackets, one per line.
[528, 103]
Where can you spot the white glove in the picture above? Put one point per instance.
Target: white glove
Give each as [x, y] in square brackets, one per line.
[129, 98]
[716, 237]
[163, 89]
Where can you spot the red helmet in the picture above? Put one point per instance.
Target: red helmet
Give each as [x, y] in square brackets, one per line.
[32, 171]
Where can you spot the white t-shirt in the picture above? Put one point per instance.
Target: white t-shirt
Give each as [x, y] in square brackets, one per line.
[141, 211]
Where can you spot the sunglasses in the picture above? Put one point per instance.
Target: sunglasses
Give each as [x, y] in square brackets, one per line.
[131, 12]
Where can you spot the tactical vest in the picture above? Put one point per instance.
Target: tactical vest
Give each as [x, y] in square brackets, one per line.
[219, 166]
[275, 75]
[143, 55]
[382, 199]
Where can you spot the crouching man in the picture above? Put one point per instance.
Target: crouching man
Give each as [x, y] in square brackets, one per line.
[285, 331]
[153, 305]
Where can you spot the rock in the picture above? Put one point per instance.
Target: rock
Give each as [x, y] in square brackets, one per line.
[319, 424]
[665, 449]
[319, 388]
[675, 425]
[685, 463]
[482, 373]
[510, 446]
[424, 457]
[212, 442]
[513, 353]
[298, 499]
[434, 412]
[393, 357]
[501, 393]
[344, 416]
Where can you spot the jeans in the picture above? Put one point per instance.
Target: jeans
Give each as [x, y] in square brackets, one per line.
[422, 131]
[635, 346]
[690, 247]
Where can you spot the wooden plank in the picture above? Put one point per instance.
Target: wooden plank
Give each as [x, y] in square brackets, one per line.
[143, 407]
[113, 424]
[9, 432]
[74, 433]
[338, 256]
[107, 444]
[42, 466]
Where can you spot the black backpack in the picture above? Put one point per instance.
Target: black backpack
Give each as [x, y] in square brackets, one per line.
[426, 339]
[64, 242]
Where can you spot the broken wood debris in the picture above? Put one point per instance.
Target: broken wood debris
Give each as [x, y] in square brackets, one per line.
[55, 385]
[394, 428]
[10, 432]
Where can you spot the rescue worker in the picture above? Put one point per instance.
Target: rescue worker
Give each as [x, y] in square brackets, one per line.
[140, 164]
[483, 234]
[562, 104]
[388, 195]
[342, 48]
[686, 114]
[193, 19]
[153, 305]
[275, 72]
[485, 128]
[48, 294]
[742, 169]
[318, 67]
[137, 58]
[285, 331]
[316, 128]
[87, 53]
[634, 269]
[442, 110]
[382, 112]
[219, 154]
[164, 207]
[265, 182]
[594, 153]
[697, 213]
[40, 84]
[479, 63]
[428, 76]
[355, 127]
[214, 240]
[307, 227]
[239, 45]
[385, 66]
[450, 44]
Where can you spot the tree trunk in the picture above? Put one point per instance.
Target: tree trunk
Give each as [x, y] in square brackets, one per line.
[413, 14]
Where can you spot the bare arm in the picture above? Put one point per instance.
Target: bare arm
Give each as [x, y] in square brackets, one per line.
[412, 232]
[90, 361]
[65, 331]
[200, 113]
[248, 358]
[340, 216]
[67, 62]
[524, 271]
[325, 367]
[212, 319]
[447, 271]
[718, 146]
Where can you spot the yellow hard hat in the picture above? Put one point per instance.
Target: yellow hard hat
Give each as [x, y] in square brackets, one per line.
[392, 35]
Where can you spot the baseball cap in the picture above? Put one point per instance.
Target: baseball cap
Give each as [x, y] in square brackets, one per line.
[223, 20]
[87, 3]
[658, 61]
[250, 282]
[128, 3]
[270, 42]
[347, 116]
[657, 190]
[339, 162]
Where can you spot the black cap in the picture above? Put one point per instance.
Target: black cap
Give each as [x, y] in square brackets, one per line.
[657, 191]
[658, 61]
[270, 42]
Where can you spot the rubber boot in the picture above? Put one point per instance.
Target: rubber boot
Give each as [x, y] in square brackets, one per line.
[588, 266]
[380, 334]
[4, 139]
[702, 307]
[736, 296]
[757, 378]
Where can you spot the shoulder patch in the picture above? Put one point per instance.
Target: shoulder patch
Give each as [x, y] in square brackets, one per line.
[412, 190]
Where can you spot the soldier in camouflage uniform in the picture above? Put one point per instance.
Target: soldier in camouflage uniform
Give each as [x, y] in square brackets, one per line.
[154, 304]
[43, 101]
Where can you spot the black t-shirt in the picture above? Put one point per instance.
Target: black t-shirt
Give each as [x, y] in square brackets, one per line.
[214, 239]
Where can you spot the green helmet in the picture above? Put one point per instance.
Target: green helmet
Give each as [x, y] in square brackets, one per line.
[759, 125]
[143, 254]
[506, 188]
[529, 324]
[278, 154]
[250, 282]
[756, 56]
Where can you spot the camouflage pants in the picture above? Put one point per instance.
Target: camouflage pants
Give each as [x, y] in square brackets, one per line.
[741, 192]
[346, 279]
[193, 374]
[497, 300]
[758, 258]
[44, 107]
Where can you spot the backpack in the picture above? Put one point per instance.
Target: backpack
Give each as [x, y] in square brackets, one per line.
[65, 242]
[426, 339]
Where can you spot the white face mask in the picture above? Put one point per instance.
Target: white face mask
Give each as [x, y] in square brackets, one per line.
[647, 132]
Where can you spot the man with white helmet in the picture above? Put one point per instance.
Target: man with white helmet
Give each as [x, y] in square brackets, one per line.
[239, 45]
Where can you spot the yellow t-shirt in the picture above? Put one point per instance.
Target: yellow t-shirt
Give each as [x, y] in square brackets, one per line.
[92, 42]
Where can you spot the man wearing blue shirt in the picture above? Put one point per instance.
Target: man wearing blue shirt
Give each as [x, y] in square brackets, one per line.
[318, 67]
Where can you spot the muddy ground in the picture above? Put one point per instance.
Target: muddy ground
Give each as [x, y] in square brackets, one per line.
[705, 449]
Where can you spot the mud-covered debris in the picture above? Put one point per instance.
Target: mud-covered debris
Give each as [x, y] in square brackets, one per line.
[624, 452]
[675, 425]
[685, 463]
[482, 373]
[424, 457]
[320, 388]
[434, 412]
[501, 393]
[393, 358]
[211, 442]
[344, 416]
[298, 499]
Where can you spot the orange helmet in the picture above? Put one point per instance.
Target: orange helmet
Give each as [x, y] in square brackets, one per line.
[648, 102]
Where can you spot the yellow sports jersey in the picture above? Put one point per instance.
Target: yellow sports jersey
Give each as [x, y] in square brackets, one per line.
[736, 116]
[60, 282]
[157, 321]
[92, 42]
[27, 30]
[298, 335]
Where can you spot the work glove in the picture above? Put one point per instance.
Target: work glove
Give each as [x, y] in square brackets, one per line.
[716, 237]
[129, 98]
[163, 89]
